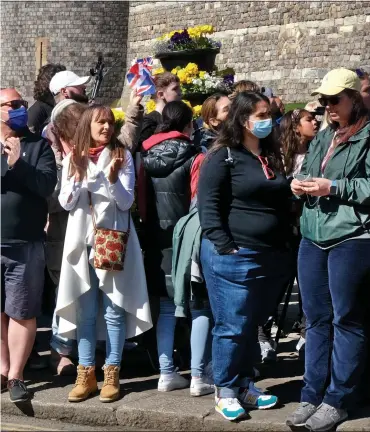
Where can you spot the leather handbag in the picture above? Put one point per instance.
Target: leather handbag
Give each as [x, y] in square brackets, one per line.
[109, 245]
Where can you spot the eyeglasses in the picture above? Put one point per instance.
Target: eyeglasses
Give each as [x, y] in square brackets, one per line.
[270, 175]
[15, 104]
[332, 100]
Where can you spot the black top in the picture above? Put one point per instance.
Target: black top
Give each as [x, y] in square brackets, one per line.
[238, 206]
[150, 124]
[39, 115]
[24, 189]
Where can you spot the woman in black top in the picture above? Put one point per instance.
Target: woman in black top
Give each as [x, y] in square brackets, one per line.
[243, 199]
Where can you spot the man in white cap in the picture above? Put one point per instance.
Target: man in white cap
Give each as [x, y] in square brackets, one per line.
[68, 85]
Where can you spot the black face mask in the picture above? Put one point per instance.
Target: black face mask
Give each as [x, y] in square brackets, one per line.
[78, 97]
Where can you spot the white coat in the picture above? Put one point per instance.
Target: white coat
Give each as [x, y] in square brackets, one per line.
[111, 203]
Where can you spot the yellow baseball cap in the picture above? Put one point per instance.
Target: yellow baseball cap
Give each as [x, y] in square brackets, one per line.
[338, 80]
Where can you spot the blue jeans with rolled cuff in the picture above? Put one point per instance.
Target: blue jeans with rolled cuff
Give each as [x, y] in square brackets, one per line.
[243, 289]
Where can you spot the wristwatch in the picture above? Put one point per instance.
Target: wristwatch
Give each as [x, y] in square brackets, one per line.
[333, 187]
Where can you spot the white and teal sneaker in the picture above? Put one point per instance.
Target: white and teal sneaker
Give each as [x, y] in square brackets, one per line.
[229, 408]
[254, 398]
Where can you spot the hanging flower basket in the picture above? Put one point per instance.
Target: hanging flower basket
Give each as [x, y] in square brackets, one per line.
[204, 58]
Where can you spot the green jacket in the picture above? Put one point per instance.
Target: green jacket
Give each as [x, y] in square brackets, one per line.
[186, 246]
[328, 220]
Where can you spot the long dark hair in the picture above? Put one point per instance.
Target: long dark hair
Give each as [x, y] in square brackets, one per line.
[83, 140]
[289, 139]
[176, 116]
[232, 130]
[41, 90]
[359, 117]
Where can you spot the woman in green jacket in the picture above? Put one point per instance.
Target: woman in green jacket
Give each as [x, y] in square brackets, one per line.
[333, 261]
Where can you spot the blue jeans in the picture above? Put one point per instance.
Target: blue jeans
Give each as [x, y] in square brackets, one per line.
[331, 282]
[87, 312]
[200, 340]
[243, 290]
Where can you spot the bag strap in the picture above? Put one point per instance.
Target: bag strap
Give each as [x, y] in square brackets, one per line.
[229, 160]
[93, 215]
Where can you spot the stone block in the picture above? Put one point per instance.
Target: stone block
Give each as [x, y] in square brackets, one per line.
[295, 74]
[346, 29]
[309, 73]
[350, 20]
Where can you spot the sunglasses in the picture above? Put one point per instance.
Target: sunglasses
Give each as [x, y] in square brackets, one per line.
[15, 104]
[270, 175]
[332, 100]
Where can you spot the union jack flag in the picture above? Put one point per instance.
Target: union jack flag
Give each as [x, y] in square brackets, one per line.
[139, 76]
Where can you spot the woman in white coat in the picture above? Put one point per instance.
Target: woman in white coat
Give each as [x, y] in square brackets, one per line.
[99, 166]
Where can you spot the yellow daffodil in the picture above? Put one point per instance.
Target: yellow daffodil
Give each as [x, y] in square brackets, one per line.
[119, 115]
[194, 32]
[183, 76]
[197, 109]
[158, 71]
[202, 74]
[150, 106]
[191, 69]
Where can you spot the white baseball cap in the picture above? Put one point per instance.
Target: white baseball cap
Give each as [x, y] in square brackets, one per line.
[66, 79]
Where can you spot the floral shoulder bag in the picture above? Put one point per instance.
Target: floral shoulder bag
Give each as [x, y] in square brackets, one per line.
[110, 245]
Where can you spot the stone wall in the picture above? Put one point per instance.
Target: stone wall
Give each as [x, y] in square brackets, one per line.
[288, 46]
[75, 31]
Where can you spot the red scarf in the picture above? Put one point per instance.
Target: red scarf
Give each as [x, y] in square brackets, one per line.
[95, 152]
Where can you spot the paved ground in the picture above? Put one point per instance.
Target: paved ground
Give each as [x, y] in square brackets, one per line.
[141, 407]
[16, 423]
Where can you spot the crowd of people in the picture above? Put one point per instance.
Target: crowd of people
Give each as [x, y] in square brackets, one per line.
[168, 220]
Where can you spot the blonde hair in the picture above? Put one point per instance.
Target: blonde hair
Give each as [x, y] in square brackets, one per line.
[244, 85]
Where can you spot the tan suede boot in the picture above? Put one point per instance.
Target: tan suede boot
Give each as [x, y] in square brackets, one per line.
[111, 387]
[85, 385]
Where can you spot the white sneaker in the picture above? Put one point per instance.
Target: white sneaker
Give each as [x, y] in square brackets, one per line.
[268, 351]
[171, 381]
[201, 386]
[230, 408]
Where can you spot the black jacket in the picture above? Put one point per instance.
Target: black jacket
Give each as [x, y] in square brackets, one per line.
[167, 166]
[24, 190]
[39, 115]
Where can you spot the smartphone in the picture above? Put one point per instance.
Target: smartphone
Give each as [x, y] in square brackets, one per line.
[303, 177]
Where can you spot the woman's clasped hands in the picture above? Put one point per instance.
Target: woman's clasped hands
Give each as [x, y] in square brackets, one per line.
[315, 187]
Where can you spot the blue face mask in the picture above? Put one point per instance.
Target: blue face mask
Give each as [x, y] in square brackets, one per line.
[18, 118]
[261, 128]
